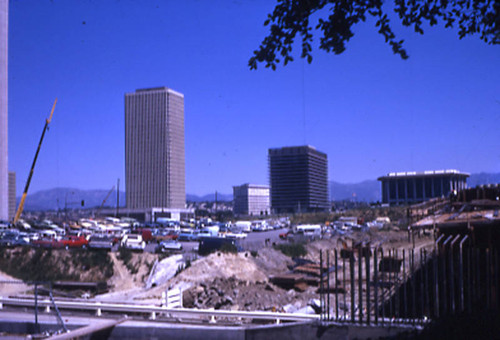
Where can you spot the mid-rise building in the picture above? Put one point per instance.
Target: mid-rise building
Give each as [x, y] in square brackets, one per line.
[401, 188]
[298, 179]
[4, 182]
[154, 149]
[251, 199]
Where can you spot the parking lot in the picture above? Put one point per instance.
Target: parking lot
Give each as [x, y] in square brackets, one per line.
[253, 240]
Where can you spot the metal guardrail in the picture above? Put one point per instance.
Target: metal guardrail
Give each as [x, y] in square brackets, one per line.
[212, 315]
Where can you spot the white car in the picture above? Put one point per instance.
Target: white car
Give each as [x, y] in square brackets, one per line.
[204, 233]
[133, 242]
[236, 235]
[168, 246]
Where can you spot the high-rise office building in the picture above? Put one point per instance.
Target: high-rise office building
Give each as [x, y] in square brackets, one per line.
[12, 194]
[299, 179]
[154, 149]
[4, 174]
[251, 199]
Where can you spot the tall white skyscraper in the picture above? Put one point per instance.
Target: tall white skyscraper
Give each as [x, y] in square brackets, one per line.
[4, 174]
[154, 149]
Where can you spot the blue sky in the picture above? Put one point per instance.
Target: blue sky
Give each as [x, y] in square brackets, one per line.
[370, 111]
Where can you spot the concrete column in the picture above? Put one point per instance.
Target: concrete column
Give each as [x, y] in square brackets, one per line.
[397, 191]
[414, 189]
[406, 190]
[4, 174]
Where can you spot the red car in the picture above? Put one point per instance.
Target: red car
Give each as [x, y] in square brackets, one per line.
[163, 235]
[146, 234]
[284, 236]
[73, 241]
[48, 243]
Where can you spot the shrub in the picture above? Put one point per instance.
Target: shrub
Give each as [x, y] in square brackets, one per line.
[48, 265]
[228, 248]
[125, 255]
[180, 268]
[292, 249]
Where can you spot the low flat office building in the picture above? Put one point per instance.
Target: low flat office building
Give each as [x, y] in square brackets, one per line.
[251, 199]
[401, 188]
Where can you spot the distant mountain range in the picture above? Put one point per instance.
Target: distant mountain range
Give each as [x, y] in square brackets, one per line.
[366, 191]
[59, 198]
[483, 178]
[209, 197]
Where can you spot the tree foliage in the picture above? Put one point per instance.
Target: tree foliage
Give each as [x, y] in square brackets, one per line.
[291, 20]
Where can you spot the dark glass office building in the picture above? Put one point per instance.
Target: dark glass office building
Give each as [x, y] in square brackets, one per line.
[298, 178]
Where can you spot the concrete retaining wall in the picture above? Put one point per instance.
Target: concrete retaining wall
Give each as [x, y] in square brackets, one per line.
[159, 330]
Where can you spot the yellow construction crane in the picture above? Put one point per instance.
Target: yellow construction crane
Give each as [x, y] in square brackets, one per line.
[104, 201]
[25, 193]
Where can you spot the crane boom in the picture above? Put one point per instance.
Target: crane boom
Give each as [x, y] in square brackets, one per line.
[105, 199]
[25, 192]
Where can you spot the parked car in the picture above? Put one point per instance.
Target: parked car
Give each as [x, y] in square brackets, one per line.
[211, 244]
[145, 233]
[73, 241]
[13, 240]
[188, 235]
[259, 226]
[21, 224]
[4, 225]
[168, 246]
[162, 235]
[101, 242]
[45, 242]
[244, 226]
[133, 242]
[205, 233]
[285, 235]
[238, 236]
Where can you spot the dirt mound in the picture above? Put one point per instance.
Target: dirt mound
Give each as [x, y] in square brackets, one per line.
[221, 265]
[234, 294]
[271, 261]
[239, 282]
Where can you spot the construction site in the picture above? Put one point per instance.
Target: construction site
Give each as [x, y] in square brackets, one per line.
[443, 266]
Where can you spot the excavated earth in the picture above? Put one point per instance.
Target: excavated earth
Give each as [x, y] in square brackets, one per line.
[227, 281]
